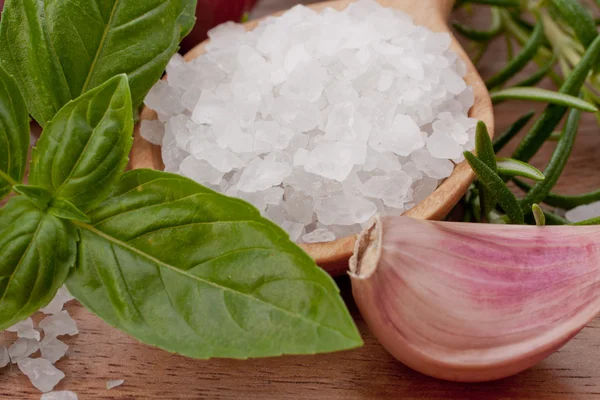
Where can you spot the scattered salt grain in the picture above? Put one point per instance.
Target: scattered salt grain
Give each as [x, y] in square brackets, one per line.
[24, 329]
[60, 395]
[4, 357]
[53, 349]
[58, 325]
[22, 348]
[584, 212]
[56, 305]
[42, 374]
[345, 113]
[114, 384]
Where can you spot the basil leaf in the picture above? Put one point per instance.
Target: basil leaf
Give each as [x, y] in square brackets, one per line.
[61, 208]
[191, 271]
[25, 54]
[37, 195]
[73, 46]
[96, 40]
[38, 251]
[14, 134]
[84, 149]
[187, 17]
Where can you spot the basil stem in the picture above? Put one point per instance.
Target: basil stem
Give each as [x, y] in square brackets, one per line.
[542, 95]
[540, 74]
[557, 163]
[495, 184]
[511, 167]
[512, 131]
[538, 215]
[520, 61]
[553, 114]
[564, 202]
[478, 35]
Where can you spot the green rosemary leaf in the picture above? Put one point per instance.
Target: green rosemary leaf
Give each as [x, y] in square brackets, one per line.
[557, 163]
[512, 131]
[540, 74]
[512, 167]
[479, 35]
[564, 202]
[520, 61]
[496, 185]
[538, 214]
[544, 96]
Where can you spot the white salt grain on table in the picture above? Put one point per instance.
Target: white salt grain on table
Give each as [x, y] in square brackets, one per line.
[4, 357]
[114, 384]
[43, 375]
[318, 120]
[60, 395]
[59, 324]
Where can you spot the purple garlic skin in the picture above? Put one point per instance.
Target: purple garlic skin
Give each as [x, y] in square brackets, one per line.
[474, 302]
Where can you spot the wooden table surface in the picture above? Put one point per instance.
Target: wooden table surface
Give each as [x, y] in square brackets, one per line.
[100, 353]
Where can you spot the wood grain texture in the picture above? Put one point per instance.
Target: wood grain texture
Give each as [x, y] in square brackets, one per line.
[431, 13]
[100, 353]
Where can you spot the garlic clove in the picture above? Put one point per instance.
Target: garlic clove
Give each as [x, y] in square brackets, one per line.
[475, 302]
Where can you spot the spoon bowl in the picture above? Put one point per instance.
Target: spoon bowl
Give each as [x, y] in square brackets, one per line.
[334, 256]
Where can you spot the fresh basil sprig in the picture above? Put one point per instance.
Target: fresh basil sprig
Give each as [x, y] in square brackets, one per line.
[159, 256]
[14, 134]
[58, 50]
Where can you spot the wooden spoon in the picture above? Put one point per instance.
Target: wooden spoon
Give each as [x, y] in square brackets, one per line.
[334, 256]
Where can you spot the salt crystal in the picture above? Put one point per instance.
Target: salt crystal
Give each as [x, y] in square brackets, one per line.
[152, 131]
[59, 395]
[56, 305]
[262, 175]
[294, 229]
[42, 374]
[24, 329]
[318, 236]
[329, 116]
[344, 210]
[441, 145]
[584, 212]
[53, 349]
[59, 324]
[114, 384]
[4, 357]
[22, 348]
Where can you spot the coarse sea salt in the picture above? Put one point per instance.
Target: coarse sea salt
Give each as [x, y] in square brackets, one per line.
[41, 371]
[114, 383]
[320, 120]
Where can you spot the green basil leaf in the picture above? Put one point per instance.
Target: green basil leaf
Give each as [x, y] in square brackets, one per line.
[14, 134]
[38, 251]
[542, 95]
[59, 49]
[187, 17]
[84, 149]
[512, 167]
[37, 195]
[96, 40]
[191, 271]
[497, 186]
[61, 208]
[25, 53]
